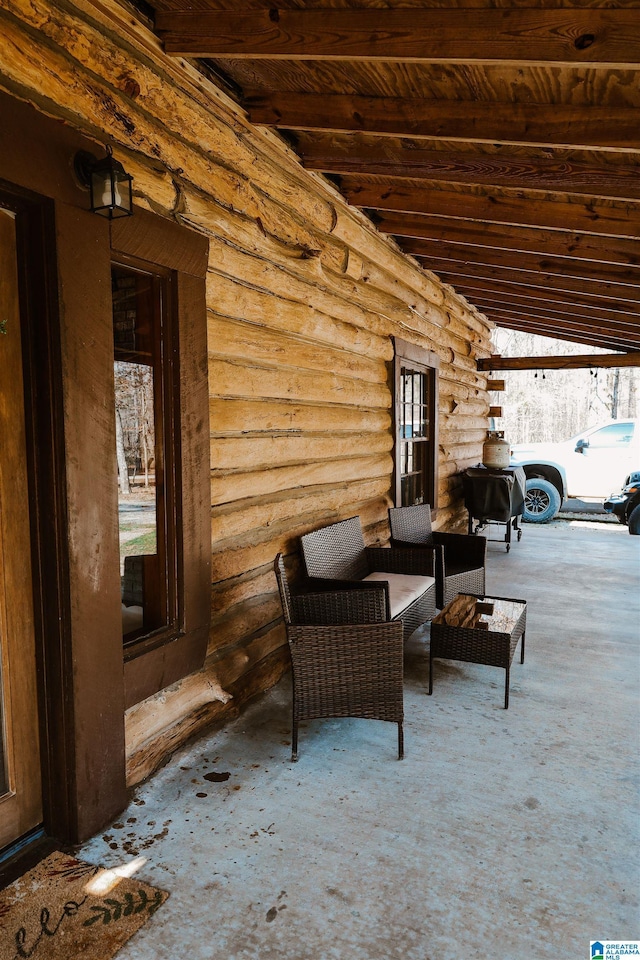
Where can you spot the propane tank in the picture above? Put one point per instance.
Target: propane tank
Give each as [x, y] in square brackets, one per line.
[496, 450]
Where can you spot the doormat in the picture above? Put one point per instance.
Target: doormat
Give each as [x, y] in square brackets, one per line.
[64, 908]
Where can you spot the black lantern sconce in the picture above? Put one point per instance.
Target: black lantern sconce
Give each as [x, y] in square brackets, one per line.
[108, 182]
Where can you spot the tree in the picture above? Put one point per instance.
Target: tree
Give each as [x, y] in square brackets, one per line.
[135, 418]
[123, 471]
[551, 405]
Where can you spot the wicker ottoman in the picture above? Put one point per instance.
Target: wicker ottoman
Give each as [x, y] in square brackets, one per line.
[479, 630]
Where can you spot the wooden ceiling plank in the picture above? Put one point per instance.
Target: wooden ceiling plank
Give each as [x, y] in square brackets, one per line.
[457, 273]
[615, 325]
[575, 323]
[587, 217]
[522, 295]
[596, 314]
[561, 266]
[551, 243]
[327, 154]
[593, 37]
[559, 125]
[581, 338]
[564, 333]
[578, 361]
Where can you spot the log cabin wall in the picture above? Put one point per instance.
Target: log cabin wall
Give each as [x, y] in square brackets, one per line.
[303, 298]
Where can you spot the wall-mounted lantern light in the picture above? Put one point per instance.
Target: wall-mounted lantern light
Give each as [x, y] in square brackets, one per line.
[108, 182]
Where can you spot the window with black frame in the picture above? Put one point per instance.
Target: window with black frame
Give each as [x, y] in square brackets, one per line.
[416, 447]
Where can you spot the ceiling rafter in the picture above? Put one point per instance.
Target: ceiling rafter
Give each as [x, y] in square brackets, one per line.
[594, 287]
[606, 38]
[532, 262]
[550, 243]
[497, 144]
[615, 320]
[618, 329]
[561, 125]
[484, 291]
[581, 216]
[584, 334]
[506, 168]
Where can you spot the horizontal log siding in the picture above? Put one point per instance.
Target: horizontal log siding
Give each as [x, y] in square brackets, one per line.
[303, 298]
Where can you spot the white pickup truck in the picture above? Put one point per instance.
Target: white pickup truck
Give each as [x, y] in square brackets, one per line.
[588, 466]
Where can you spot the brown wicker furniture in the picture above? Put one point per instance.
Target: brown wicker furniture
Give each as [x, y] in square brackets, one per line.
[479, 630]
[347, 659]
[337, 557]
[460, 560]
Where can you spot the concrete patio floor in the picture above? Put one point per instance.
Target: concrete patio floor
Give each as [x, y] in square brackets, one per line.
[503, 834]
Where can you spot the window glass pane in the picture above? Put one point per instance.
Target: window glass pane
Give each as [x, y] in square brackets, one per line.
[142, 507]
[414, 451]
[413, 404]
[614, 434]
[407, 417]
[409, 459]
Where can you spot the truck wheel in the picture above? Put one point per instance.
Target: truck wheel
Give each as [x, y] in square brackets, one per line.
[634, 521]
[541, 502]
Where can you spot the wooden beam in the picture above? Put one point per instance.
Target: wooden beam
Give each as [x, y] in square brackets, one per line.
[550, 243]
[560, 266]
[487, 302]
[583, 216]
[328, 153]
[456, 272]
[570, 323]
[579, 335]
[477, 121]
[571, 362]
[522, 294]
[629, 335]
[567, 36]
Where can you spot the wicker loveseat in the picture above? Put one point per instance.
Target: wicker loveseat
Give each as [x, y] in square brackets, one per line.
[337, 555]
[461, 558]
[347, 658]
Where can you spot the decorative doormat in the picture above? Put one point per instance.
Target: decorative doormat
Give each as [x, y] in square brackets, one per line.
[65, 908]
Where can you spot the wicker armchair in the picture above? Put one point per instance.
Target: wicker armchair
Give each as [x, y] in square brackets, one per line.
[347, 660]
[335, 557]
[460, 566]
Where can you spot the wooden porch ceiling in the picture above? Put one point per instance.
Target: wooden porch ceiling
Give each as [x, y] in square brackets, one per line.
[498, 141]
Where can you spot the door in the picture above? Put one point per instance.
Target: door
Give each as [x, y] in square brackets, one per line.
[20, 776]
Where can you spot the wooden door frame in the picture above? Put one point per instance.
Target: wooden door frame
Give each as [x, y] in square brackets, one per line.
[85, 687]
[44, 428]
[410, 354]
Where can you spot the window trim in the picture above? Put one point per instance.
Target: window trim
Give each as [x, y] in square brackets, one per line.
[152, 244]
[426, 361]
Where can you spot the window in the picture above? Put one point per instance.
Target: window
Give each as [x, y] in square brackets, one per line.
[613, 435]
[145, 370]
[159, 359]
[416, 446]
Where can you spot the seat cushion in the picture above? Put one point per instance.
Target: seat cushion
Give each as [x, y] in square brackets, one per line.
[404, 588]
